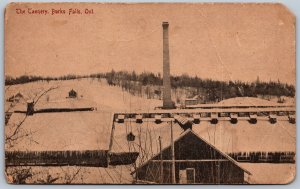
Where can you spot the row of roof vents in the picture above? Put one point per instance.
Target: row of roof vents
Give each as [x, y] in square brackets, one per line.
[214, 118]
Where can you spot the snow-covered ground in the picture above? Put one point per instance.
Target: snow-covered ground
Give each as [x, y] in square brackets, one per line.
[93, 91]
[270, 173]
[73, 130]
[91, 130]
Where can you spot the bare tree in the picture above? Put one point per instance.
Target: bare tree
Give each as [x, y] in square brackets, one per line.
[19, 175]
[69, 176]
[22, 175]
[49, 180]
[16, 132]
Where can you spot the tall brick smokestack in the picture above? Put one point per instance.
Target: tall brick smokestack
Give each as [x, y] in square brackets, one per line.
[167, 102]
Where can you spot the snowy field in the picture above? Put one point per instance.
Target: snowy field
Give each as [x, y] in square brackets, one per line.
[91, 131]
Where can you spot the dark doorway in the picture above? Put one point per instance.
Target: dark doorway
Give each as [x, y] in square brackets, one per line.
[190, 175]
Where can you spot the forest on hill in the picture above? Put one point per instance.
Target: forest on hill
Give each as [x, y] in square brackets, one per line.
[150, 85]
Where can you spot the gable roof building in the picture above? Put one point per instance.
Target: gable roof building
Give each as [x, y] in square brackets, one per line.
[196, 161]
[272, 143]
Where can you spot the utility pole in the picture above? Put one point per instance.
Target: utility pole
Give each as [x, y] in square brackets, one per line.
[111, 139]
[173, 155]
[161, 162]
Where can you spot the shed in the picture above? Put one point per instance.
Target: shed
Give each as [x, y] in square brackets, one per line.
[19, 95]
[192, 101]
[15, 98]
[196, 161]
[72, 94]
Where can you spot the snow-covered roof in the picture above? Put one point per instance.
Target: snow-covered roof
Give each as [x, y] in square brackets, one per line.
[245, 137]
[193, 98]
[247, 101]
[225, 136]
[62, 131]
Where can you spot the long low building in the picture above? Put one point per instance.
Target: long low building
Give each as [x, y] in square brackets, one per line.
[242, 137]
[270, 139]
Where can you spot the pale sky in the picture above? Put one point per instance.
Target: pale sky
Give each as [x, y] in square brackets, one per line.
[217, 41]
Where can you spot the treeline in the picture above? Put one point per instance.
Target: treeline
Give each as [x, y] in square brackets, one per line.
[27, 79]
[145, 78]
[212, 89]
[150, 84]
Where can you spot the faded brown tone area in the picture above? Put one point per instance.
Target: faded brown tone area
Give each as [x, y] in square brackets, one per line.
[219, 41]
[117, 129]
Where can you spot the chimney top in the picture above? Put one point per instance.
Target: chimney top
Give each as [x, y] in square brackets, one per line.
[165, 24]
[30, 101]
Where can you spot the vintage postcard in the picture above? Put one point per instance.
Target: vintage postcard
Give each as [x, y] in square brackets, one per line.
[152, 93]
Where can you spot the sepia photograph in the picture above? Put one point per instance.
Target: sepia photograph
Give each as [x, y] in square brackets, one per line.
[150, 93]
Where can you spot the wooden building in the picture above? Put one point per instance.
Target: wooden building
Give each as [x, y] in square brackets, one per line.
[192, 101]
[72, 94]
[196, 161]
[15, 98]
